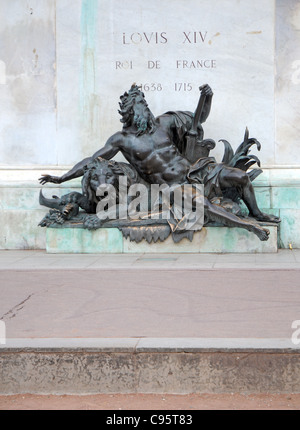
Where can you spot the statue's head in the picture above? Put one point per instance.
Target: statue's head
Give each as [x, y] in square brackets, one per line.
[134, 111]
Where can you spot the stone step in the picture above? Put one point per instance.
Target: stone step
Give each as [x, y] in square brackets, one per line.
[145, 365]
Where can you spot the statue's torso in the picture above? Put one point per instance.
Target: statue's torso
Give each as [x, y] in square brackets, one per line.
[155, 156]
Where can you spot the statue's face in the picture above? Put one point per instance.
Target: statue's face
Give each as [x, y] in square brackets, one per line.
[102, 175]
[135, 110]
[127, 117]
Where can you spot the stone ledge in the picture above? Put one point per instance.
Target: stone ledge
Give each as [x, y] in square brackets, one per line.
[159, 345]
[208, 240]
[89, 366]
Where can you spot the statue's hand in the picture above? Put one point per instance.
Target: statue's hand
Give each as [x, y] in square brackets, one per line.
[48, 178]
[206, 90]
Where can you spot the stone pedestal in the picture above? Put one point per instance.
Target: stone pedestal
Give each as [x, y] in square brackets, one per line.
[208, 240]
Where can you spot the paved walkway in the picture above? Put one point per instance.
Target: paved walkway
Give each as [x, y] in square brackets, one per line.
[157, 296]
[40, 260]
[170, 300]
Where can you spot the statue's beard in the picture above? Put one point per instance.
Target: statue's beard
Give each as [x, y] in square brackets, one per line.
[140, 116]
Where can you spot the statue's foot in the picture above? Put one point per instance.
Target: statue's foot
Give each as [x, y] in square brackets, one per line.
[263, 217]
[261, 233]
[92, 222]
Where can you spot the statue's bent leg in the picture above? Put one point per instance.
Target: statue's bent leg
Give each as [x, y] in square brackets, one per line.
[232, 177]
[228, 219]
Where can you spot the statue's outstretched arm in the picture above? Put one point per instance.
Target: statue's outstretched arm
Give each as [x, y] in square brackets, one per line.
[75, 172]
[108, 151]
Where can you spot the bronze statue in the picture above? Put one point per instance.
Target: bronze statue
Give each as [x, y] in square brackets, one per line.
[169, 149]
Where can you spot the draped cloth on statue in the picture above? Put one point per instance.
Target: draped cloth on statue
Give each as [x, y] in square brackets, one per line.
[206, 170]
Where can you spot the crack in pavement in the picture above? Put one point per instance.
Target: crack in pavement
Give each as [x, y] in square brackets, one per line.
[13, 311]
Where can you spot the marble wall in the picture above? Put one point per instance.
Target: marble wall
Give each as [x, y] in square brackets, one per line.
[27, 83]
[64, 65]
[287, 83]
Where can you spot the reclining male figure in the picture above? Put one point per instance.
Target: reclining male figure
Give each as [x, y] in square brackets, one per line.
[150, 145]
